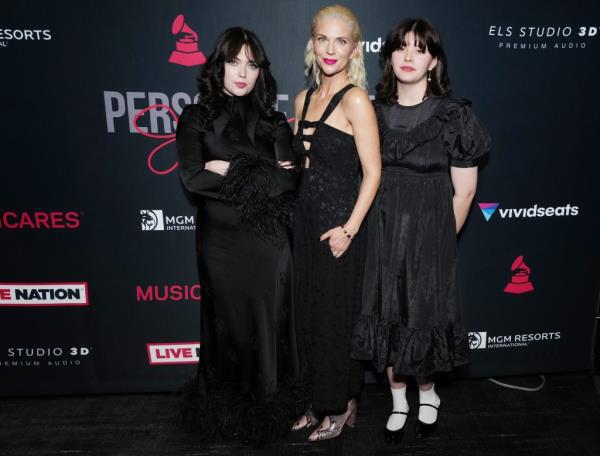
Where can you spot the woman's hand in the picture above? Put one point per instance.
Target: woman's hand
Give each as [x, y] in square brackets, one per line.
[217, 166]
[338, 240]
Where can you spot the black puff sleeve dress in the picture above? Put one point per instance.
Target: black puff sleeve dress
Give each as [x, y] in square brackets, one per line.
[411, 316]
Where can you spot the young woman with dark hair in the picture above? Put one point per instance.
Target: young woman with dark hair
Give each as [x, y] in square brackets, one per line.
[411, 322]
[235, 154]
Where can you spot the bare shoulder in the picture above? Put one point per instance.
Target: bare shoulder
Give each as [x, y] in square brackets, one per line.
[356, 99]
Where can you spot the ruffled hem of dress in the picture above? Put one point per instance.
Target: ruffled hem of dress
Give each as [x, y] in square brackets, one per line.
[410, 351]
[212, 409]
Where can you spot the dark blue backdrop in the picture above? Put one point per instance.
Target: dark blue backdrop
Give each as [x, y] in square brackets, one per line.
[84, 195]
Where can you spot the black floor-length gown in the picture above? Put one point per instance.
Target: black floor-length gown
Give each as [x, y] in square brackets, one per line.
[411, 316]
[248, 354]
[328, 289]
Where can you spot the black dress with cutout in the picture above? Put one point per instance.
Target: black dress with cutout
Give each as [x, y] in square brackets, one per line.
[327, 289]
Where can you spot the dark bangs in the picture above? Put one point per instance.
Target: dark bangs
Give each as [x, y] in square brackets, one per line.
[427, 38]
[210, 79]
[238, 38]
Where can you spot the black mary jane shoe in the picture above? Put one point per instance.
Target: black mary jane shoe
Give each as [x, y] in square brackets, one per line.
[394, 437]
[424, 430]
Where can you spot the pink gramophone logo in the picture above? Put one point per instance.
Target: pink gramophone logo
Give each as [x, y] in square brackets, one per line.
[186, 51]
[519, 283]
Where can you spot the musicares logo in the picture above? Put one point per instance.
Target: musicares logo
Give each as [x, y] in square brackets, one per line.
[535, 211]
[39, 220]
[173, 353]
[163, 293]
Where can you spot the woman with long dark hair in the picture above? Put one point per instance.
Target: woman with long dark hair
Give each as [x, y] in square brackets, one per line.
[336, 133]
[235, 154]
[411, 322]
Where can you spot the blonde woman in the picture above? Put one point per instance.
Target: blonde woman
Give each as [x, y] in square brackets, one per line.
[336, 135]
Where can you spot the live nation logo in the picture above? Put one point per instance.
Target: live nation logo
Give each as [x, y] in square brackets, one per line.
[44, 294]
[173, 353]
[156, 220]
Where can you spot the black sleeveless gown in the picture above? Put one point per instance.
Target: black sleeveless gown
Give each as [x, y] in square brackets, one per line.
[327, 289]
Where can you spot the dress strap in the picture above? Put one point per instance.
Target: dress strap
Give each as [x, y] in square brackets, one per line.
[306, 103]
[335, 100]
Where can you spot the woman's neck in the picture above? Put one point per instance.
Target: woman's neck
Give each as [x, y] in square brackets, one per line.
[411, 94]
[332, 84]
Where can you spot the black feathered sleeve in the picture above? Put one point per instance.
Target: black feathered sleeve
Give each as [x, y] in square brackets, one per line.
[259, 189]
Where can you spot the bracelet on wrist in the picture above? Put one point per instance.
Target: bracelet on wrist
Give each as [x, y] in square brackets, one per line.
[348, 235]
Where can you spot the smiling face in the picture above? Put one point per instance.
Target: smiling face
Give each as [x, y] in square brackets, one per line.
[411, 62]
[333, 45]
[241, 73]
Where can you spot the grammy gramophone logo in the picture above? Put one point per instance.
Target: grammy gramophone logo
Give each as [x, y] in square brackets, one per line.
[520, 281]
[187, 52]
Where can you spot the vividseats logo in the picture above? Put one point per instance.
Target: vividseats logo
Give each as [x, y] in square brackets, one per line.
[372, 46]
[155, 220]
[44, 294]
[173, 353]
[481, 340]
[535, 211]
[40, 220]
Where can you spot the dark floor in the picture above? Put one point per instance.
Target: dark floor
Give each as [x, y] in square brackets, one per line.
[477, 418]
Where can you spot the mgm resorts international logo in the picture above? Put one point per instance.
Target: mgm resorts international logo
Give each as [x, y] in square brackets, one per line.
[156, 220]
[46, 356]
[8, 35]
[482, 340]
[542, 37]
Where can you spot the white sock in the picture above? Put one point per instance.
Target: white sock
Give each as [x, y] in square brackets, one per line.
[428, 415]
[397, 420]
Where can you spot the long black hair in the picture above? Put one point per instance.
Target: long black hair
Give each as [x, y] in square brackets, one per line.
[427, 38]
[210, 78]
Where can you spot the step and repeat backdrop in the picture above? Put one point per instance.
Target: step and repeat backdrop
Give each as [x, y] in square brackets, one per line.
[98, 284]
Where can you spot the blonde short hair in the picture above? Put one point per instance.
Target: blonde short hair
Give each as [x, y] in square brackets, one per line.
[357, 74]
